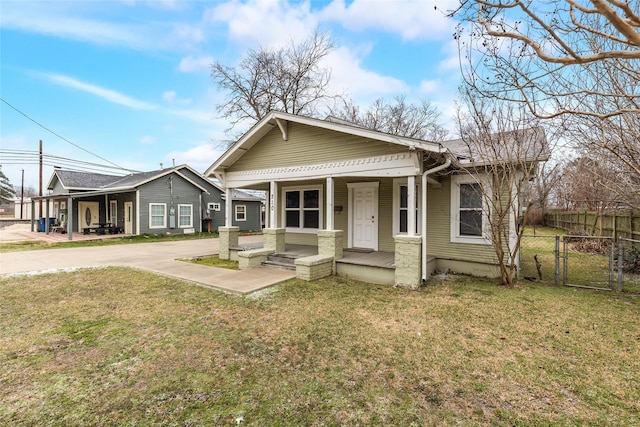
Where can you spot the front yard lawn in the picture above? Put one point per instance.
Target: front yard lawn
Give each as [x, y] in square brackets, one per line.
[119, 346]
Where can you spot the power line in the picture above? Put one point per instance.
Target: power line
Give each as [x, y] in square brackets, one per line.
[62, 137]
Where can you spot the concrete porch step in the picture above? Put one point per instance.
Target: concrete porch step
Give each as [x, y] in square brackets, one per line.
[281, 265]
[282, 258]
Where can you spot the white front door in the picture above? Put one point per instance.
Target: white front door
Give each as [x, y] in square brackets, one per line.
[128, 217]
[364, 211]
[88, 215]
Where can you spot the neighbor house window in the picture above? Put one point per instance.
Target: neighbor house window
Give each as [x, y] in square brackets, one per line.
[241, 212]
[113, 212]
[302, 208]
[213, 206]
[157, 215]
[401, 206]
[469, 222]
[185, 216]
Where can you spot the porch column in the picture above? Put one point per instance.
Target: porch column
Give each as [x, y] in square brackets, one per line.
[274, 239]
[411, 205]
[228, 238]
[70, 218]
[228, 208]
[330, 198]
[407, 260]
[273, 204]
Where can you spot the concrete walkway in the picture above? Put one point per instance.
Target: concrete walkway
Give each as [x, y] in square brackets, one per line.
[156, 257]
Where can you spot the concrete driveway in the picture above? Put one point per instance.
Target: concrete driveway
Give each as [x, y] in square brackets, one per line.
[156, 257]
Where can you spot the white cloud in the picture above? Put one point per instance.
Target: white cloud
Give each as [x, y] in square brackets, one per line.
[347, 74]
[148, 139]
[430, 86]
[169, 95]
[199, 157]
[189, 64]
[107, 94]
[411, 19]
[266, 22]
[67, 20]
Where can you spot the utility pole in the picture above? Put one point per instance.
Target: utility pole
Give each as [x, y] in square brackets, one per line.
[22, 195]
[41, 213]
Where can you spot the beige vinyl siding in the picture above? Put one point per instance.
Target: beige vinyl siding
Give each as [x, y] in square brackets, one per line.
[439, 231]
[309, 145]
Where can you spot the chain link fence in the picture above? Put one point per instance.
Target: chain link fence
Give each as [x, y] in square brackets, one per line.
[628, 265]
[582, 261]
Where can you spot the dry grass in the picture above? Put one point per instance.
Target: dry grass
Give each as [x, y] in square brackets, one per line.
[119, 346]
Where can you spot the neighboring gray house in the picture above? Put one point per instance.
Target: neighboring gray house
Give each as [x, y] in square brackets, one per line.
[170, 200]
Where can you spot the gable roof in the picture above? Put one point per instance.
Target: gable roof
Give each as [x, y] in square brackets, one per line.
[280, 119]
[522, 145]
[87, 181]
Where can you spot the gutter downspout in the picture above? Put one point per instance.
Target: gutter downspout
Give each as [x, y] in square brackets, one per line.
[423, 215]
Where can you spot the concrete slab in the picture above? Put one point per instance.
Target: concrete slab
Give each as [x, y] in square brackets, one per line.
[159, 258]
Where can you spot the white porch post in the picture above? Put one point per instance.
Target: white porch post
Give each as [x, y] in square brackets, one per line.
[228, 234]
[273, 204]
[228, 208]
[330, 198]
[69, 218]
[411, 205]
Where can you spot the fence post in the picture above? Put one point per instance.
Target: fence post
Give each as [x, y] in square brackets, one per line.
[557, 272]
[620, 260]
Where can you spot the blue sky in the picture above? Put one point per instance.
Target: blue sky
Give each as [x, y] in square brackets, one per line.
[130, 80]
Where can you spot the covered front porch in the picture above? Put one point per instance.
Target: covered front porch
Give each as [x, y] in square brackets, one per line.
[351, 226]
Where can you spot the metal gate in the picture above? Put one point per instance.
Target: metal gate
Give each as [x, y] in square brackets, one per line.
[588, 262]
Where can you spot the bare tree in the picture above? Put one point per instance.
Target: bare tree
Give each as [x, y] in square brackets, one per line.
[504, 145]
[400, 117]
[556, 57]
[289, 79]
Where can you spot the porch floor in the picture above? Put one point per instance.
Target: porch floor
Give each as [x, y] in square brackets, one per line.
[356, 257]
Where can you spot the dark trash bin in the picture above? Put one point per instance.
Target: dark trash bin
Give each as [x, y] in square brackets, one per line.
[40, 224]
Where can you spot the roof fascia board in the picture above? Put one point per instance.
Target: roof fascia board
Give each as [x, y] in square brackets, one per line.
[263, 126]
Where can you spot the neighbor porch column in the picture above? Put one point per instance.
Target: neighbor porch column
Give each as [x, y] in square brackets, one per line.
[411, 205]
[228, 235]
[70, 218]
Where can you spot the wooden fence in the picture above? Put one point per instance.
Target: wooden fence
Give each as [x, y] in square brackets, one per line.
[609, 224]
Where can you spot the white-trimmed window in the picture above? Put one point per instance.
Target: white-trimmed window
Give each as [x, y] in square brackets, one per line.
[241, 212]
[113, 212]
[302, 208]
[185, 216]
[157, 215]
[401, 206]
[469, 209]
[212, 206]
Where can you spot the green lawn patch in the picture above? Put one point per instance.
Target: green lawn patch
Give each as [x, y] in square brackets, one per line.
[214, 261]
[119, 346]
[145, 238]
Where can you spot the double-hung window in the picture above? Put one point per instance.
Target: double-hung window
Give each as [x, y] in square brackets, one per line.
[157, 215]
[303, 208]
[241, 212]
[469, 222]
[185, 216]
[401, 207]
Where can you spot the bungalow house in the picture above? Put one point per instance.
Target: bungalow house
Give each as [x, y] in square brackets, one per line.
[170, 200]
[368, 205]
